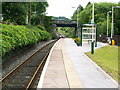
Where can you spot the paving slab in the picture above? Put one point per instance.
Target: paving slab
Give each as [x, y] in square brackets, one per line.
[55, 76]
[59, 71]
[68, 67]
[89, 75]
[73, 79]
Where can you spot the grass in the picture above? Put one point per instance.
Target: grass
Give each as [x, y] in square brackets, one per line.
[107, 58]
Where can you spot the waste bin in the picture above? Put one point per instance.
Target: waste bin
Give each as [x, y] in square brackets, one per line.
[113, 42]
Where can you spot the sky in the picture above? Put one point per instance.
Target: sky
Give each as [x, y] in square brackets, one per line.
[65, 7]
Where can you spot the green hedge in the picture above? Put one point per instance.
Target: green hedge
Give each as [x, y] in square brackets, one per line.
[20, 36]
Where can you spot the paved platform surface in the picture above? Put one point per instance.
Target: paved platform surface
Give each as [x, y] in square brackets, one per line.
[68, 67]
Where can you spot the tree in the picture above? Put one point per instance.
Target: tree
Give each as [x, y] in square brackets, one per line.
[18, 12]
[117, 20]
[47, 23]
[89, 3]
[74, 17]
[100, 16]
[14, 12]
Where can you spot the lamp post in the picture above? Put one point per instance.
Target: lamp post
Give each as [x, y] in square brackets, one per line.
[78, 10]
[108, 21]
[112, 26]
[77, 21]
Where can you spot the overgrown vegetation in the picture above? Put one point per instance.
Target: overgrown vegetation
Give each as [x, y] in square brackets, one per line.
[107, 58]
[28, 13]
[20, 36]
[25, 14]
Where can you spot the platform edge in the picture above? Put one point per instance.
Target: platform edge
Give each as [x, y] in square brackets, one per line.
[103, 72]
[45, 67]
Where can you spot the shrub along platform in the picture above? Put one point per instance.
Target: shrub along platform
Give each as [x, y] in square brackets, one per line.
[20, 36]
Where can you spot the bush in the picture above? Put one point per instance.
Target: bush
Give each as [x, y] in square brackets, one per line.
[53, 35]
[20, 36]
[77, 41]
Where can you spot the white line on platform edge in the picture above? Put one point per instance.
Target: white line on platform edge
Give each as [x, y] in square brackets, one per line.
[45, 67]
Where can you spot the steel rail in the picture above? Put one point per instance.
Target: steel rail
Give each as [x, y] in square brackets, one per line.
[37, 70]
[18, 66]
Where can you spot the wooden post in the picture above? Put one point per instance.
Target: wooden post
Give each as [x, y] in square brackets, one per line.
[30, 15]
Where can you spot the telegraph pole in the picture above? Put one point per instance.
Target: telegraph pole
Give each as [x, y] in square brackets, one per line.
[108, 21]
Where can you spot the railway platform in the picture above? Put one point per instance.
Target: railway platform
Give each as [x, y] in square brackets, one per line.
[68, 67]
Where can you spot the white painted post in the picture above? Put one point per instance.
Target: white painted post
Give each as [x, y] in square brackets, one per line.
[112, 26]
[108, 21]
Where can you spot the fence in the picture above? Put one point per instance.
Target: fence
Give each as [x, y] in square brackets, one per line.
[117, 39]
[102, 38]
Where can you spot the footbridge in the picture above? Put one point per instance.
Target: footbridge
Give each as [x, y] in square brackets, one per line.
[65, 23]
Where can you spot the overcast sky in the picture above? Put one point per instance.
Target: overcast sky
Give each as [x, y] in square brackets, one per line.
[64, 7]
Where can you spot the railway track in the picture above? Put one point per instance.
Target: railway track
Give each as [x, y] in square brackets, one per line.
[26, 74]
